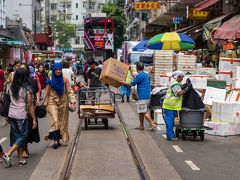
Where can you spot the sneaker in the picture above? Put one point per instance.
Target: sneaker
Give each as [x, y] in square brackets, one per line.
[22, 163]
[7, 160]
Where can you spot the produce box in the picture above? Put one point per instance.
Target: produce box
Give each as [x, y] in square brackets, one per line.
[206, 71]
[113, 72]
[228, 64]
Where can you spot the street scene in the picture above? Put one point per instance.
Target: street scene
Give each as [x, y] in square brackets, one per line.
[120, 89]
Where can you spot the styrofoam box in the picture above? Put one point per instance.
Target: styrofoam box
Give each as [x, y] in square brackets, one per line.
[214, 94]
[206, 71]
[225, 112]
[226, 76]
[162, 52]
[158, 117]
[236, 83]
[227, 64]
[198, 81]
[236, 72]
[222, 129]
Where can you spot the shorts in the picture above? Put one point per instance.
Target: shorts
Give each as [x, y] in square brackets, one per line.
[142, 106]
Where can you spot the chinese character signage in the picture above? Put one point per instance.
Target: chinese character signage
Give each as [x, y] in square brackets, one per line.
[195, 14]
[177, 20]
[146, 5]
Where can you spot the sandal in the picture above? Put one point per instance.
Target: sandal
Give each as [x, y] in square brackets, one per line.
[153, 128]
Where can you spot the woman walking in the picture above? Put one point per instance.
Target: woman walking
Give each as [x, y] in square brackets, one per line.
[33, 134]
[42, 76]
[58, 96]
[21, 103]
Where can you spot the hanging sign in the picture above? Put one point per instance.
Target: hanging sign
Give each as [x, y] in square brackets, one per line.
[195, 14]
[177, 20]
[147, 5]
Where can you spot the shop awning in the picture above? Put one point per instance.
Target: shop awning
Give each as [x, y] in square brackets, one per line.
[205, 4]
[193, 31]
[212, 25]
[230, 30]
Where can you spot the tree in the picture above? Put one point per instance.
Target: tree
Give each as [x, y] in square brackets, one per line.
[115, 10]
[63, 32]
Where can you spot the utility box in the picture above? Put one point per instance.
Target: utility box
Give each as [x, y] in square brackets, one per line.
[113, 72]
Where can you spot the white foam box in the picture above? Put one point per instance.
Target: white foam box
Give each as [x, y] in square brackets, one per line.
[236, 72]
[164, 52]
[214, 94]
[222, 129]
[211, 72]
[228, 64]
[198, 81]
[225, 112]
[236, 83]
[226, 76]
[164, 80]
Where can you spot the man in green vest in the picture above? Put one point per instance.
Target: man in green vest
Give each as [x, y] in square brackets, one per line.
[173, 102]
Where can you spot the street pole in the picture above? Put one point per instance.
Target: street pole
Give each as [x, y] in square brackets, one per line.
[35, 23]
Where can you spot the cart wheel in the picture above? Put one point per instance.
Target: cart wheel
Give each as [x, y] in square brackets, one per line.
[105, 122]
[194, 134]
[177, 131]
[201, 133]
[86, 123]
[184, 135]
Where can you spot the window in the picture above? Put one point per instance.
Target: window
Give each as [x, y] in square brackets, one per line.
[53, 6]
[84, 4]
[69, 5]
[91, 5]
[53, 18]
[82, 40]
[69, 16]
[77, 40]
[76, 17]
[76, 5]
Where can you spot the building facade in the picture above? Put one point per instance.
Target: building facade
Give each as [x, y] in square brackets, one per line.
[27, 11]
[2, 13]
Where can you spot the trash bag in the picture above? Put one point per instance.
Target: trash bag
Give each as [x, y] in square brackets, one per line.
[156, 96]
[192, 100]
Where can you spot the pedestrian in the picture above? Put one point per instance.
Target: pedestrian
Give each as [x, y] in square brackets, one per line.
[59, 97]
[16, 65]
[126, 90]
[33, 134]
[143, 91]
[93, 80]
[21, 104]
[42, 76]
[67, 72]
[85, 72]
[173, 102]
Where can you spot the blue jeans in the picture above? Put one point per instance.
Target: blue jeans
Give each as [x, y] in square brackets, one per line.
[125, 90]
[169, 120]
[19, 132]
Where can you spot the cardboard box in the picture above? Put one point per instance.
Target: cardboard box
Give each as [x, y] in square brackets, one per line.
[222, 129]
[113, 72]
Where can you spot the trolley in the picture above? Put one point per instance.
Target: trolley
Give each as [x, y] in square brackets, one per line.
[96, 106]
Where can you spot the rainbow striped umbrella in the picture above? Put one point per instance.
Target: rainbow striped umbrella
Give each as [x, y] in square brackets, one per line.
[171, 41]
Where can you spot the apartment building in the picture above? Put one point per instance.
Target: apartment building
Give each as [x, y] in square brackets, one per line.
[73, 11]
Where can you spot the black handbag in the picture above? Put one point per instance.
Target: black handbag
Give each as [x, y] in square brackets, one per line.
[5, 105]
[40, 111]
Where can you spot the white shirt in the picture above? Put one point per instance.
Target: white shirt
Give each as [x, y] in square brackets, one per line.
[68, 73]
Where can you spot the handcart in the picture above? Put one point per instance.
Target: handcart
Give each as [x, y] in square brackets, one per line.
[191, 123]
[96, 106]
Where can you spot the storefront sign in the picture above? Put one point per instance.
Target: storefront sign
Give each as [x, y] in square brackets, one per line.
[195, 14]
[147, 5]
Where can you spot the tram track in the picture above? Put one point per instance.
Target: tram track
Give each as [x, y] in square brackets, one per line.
[66, 170]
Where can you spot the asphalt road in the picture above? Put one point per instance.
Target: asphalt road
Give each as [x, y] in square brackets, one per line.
[215, 158]
[36, 152]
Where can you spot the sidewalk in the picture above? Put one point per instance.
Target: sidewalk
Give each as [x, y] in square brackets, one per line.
[156, 165]
[52, 162]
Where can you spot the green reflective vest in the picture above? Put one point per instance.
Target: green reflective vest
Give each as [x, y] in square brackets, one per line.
[128, 78]
[171, 101]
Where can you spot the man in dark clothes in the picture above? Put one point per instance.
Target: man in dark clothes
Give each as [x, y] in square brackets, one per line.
[93, 79]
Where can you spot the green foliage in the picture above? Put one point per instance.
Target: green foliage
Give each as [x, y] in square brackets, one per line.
[115, 10]
[63, 32]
